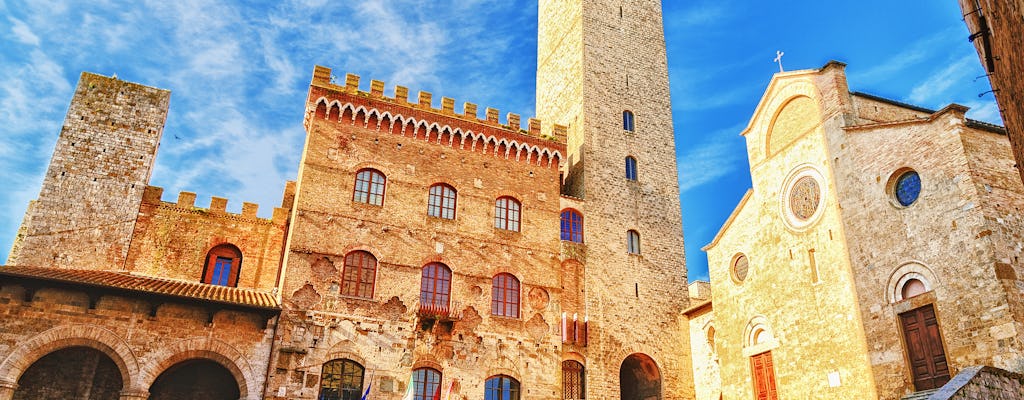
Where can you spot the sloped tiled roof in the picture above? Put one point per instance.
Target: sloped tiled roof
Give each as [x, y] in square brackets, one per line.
[145, 284]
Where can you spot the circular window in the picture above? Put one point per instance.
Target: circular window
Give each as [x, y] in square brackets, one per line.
[804, 197]
[906, 187]
[740, 267]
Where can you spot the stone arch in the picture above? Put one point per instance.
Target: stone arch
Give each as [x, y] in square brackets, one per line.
[62, 337]
[904, 273]
[321, 109]
[639, 378]
[248, 380]
[758, 336]
[373, 119]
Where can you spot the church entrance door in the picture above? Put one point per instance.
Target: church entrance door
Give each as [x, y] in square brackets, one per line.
[764, 377]
[924, 348]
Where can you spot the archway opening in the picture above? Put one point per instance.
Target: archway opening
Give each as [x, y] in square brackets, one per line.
[71, 373]
[639, 378]
[195, 379]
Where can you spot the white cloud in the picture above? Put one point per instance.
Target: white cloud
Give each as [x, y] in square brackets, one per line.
[939, 83]
[23, 33]
[915, 53]
[719, 155]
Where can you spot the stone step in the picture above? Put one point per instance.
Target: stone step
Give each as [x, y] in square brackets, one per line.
[922, 395]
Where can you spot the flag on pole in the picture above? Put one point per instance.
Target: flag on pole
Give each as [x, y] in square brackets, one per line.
[451, 385]
[410, 391]
[366, 394]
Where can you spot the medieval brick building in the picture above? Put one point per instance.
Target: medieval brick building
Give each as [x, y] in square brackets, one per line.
[420, 252]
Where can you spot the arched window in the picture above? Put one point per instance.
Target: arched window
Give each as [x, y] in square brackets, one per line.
[630, 168]
[369, 187]
[627, 121]
[501, 387]
[505, 296]
[633, 242]
[426, 384]
[435, 287]
[341, 380]
[913, 287]
[359, 274]
[573, 381]
[441, 201]
[223, 263]
[572, 225]
[506, 214]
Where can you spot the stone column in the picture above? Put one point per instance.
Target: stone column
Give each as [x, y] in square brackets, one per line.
[131, 394]
[7, 390]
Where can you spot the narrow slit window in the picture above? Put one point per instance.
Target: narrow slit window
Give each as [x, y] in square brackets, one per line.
[633, 242]
[628, 121]
[631, 168]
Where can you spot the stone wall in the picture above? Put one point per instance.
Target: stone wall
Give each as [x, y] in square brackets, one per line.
[982, 383]
[140, 342]
[86, 209]
[598, 59]
[385, 332]
[707, 379]
[172, 240]
[1002, 57]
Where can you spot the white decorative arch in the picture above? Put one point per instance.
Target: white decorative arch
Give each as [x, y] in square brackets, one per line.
[909, 270]
[758, 336]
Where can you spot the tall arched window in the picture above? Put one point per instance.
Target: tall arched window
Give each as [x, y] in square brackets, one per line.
[426, 384]
[631, 168]
[501, 387]
[341, 380]
[633, 242]
[369, 187]
[441, 201]
[505, 295]
[435, 288]
[359, 274]
[628, 121]
[573, 381]
[572, 225]
[506, 214]
[223, 264]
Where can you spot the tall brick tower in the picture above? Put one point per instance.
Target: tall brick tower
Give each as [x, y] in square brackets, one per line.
[86, 210]
[602, 70]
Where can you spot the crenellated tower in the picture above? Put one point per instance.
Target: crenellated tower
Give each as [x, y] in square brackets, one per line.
[89, 201]
[602, 71]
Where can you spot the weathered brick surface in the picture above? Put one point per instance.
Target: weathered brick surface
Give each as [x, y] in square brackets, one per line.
[139, 345]
[91, 193]
[707, 379]
[383, 333]
[1002, 55]
[597, 59]
[172, 240]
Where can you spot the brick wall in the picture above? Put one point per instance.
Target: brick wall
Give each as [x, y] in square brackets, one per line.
[104, 156]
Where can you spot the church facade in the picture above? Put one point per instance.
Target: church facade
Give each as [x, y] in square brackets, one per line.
[876, 254]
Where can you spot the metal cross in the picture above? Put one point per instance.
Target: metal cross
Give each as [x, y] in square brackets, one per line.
[778, 59]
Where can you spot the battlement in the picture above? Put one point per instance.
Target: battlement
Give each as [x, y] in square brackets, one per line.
[218, 206]
[330, 100]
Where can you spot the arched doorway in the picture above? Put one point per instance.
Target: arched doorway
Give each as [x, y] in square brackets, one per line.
[71, 373]
[195, 379]
[639, 378]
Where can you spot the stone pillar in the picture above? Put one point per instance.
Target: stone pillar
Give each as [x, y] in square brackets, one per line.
[131, 394]
[7, 390]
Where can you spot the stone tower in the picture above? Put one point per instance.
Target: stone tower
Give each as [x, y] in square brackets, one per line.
[599, 59]
[86, 209]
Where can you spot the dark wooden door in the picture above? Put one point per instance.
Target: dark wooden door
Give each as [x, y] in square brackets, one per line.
[924, 348]
[764, 376]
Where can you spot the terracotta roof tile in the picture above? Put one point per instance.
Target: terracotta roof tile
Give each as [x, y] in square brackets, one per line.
[147, 284]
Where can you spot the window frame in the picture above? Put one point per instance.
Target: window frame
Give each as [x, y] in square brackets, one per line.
[574, 373]
[225, 251]
[633, 242]
[573, 220]
[505, 217]
[436, 273]
[506, 295]
[632, 170]
[628, 121]
[494, 388]
[365, 188]
[342, 392]
[422, 383]
[436, 202]
[361, 280]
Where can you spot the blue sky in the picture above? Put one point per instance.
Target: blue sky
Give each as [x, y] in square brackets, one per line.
[238, 72]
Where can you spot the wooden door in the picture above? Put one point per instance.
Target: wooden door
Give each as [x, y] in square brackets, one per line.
[924, 348]
[764, 377]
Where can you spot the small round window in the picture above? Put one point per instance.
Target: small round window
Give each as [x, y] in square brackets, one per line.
[907, 187]
[740, 267]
